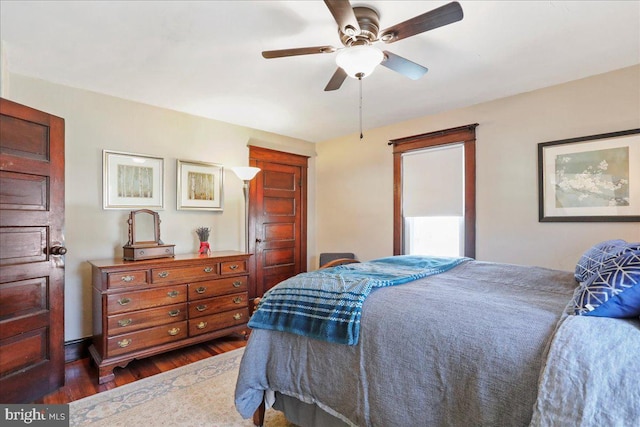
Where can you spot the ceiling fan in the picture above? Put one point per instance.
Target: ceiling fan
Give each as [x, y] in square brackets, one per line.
[359, 30]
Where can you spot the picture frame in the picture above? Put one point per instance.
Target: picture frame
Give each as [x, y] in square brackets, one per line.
[132, 181]
[592, 178]
[199, 186]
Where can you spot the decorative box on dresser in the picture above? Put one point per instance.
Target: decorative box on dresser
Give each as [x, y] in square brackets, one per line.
[142, 308]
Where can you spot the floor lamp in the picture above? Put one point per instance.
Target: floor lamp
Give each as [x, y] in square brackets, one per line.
[246, 174]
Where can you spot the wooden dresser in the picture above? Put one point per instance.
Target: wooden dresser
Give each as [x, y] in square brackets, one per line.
[142, 308]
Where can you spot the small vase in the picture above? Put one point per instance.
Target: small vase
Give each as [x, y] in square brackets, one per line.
[204, 248]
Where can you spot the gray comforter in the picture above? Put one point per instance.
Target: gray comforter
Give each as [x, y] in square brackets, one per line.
[592, 375]
[463, 348]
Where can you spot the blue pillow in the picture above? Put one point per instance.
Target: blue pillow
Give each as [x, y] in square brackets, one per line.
[596, 256]
[614, 291]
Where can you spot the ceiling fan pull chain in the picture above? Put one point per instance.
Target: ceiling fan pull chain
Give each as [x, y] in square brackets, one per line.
[360, 82]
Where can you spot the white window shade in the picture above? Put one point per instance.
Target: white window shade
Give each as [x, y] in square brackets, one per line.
[432, 182]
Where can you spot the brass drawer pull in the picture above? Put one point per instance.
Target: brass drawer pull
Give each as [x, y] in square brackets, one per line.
[233, 267]
[201, 289]
[201, 325]
[201, 307]
[208, 269]
[127, 278]
[174, 331]
[237, 283]
[163, 274]
[174, 313]
[125, 322]
[124, 343]
[237, 300]
[172, 294]
[237, 316]
[124, 301]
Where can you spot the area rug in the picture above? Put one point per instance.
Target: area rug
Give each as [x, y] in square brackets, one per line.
[198, 394]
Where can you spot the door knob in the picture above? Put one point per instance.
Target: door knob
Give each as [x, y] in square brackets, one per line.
[258, 240]
[58, 250]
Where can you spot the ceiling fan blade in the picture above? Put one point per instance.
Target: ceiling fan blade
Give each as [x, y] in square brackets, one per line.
[297, 51]
[444, 15]
[336, 80]
[403, 66]
[344, 15]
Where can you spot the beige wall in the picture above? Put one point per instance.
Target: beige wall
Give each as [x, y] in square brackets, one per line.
[354, 178]
[94, 122]
[4, 74]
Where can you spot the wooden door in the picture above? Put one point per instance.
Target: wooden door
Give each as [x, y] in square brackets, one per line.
[278, 217]
[31, 249]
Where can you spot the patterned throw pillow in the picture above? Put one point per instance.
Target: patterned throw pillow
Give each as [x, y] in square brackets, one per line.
[614, 291]
[596, 256]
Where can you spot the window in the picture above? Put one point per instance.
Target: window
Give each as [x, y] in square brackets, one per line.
[433, 200]
[434, 193]
[434, 235]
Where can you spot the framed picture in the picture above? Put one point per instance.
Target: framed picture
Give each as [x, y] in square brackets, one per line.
[591, 178]
[199, 186]
[132, 181]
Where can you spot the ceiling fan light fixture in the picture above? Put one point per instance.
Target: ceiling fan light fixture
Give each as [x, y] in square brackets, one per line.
[359, 61]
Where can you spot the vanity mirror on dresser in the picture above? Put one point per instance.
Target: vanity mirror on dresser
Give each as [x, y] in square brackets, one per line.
[144, 237]
[147, 307]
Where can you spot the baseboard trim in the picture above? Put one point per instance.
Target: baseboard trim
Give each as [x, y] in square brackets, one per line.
[76, 349]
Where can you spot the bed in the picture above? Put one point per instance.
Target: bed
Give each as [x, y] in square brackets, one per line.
[473, 343]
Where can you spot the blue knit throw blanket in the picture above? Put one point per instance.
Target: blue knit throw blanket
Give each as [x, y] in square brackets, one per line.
[327, 304]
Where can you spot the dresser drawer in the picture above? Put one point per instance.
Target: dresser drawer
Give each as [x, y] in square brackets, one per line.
[146, 338]
[233, 267]
[217, 304]
[138, 300]
[136, 320]
[212, 288]
[133, 253]
[199, 272]
[203, 325]
[127, 278]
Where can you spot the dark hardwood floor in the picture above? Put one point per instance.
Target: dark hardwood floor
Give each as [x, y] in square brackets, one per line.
[82, 376]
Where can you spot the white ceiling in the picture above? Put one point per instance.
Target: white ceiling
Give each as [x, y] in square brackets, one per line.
[204, 57]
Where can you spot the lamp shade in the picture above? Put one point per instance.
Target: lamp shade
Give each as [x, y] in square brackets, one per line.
[245, 173]
[359, 61]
